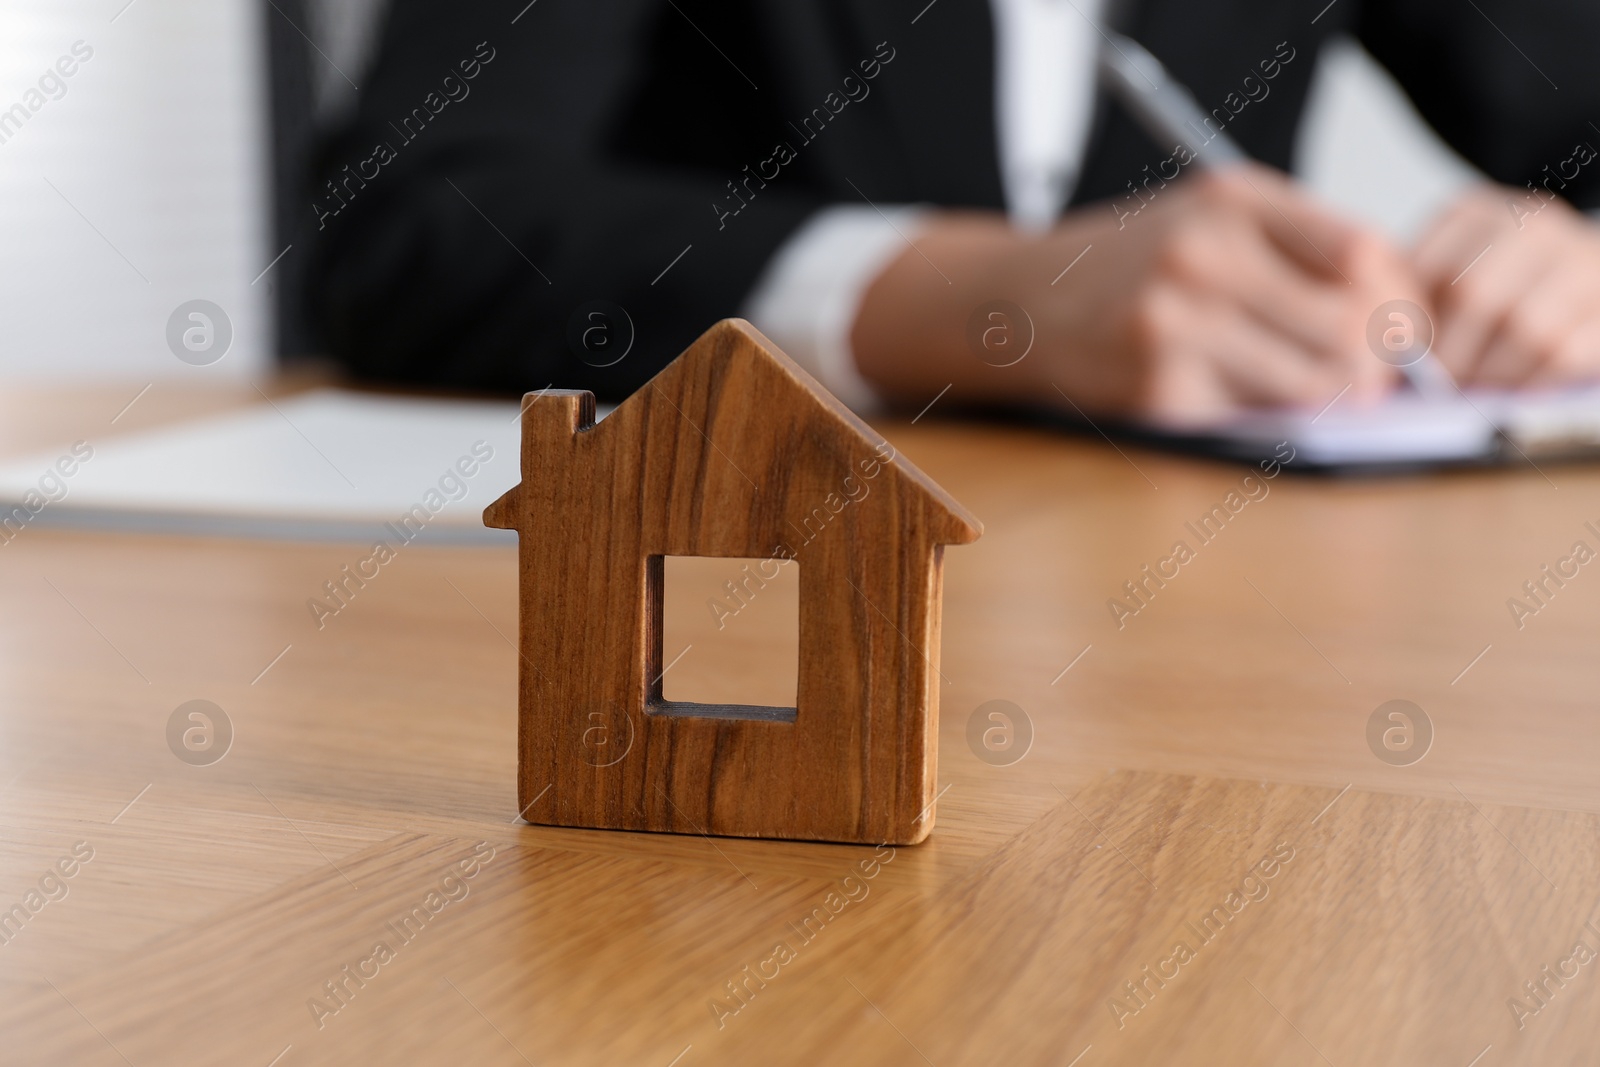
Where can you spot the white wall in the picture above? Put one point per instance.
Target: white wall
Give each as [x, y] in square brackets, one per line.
[1365, 149]
[157, 144]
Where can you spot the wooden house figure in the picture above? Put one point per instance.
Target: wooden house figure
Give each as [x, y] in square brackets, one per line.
[734, 451]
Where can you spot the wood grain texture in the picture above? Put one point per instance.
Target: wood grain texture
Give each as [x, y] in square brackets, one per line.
[1166, 763]
[730, 451]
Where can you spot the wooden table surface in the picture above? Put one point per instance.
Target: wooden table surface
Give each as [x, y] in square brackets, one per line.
[1200, 859]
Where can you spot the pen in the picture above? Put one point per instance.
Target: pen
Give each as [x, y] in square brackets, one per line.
[1162, 104]
[1168, 112]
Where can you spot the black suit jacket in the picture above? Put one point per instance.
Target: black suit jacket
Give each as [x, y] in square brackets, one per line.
[462, 226]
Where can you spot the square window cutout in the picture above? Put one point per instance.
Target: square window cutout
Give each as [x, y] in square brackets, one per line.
[727, 637]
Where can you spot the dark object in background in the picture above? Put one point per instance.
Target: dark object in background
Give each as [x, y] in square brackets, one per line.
[293, 136]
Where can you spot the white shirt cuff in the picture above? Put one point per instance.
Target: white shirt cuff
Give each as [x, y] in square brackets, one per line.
[809, 294]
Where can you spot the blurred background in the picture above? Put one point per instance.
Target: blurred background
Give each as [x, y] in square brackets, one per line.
[168, 168]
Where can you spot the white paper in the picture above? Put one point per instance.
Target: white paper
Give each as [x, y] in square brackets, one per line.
[1408, 430]
[329, 464]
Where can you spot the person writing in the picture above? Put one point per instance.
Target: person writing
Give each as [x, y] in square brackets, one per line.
[860, 178]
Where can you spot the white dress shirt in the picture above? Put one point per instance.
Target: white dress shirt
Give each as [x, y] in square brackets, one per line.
[807, 297]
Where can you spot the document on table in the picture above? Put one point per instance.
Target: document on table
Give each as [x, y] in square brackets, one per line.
[1409, 431]
[325, 465]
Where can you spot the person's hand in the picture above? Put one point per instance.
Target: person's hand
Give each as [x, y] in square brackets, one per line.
[1515, 279]
[1226, 291]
